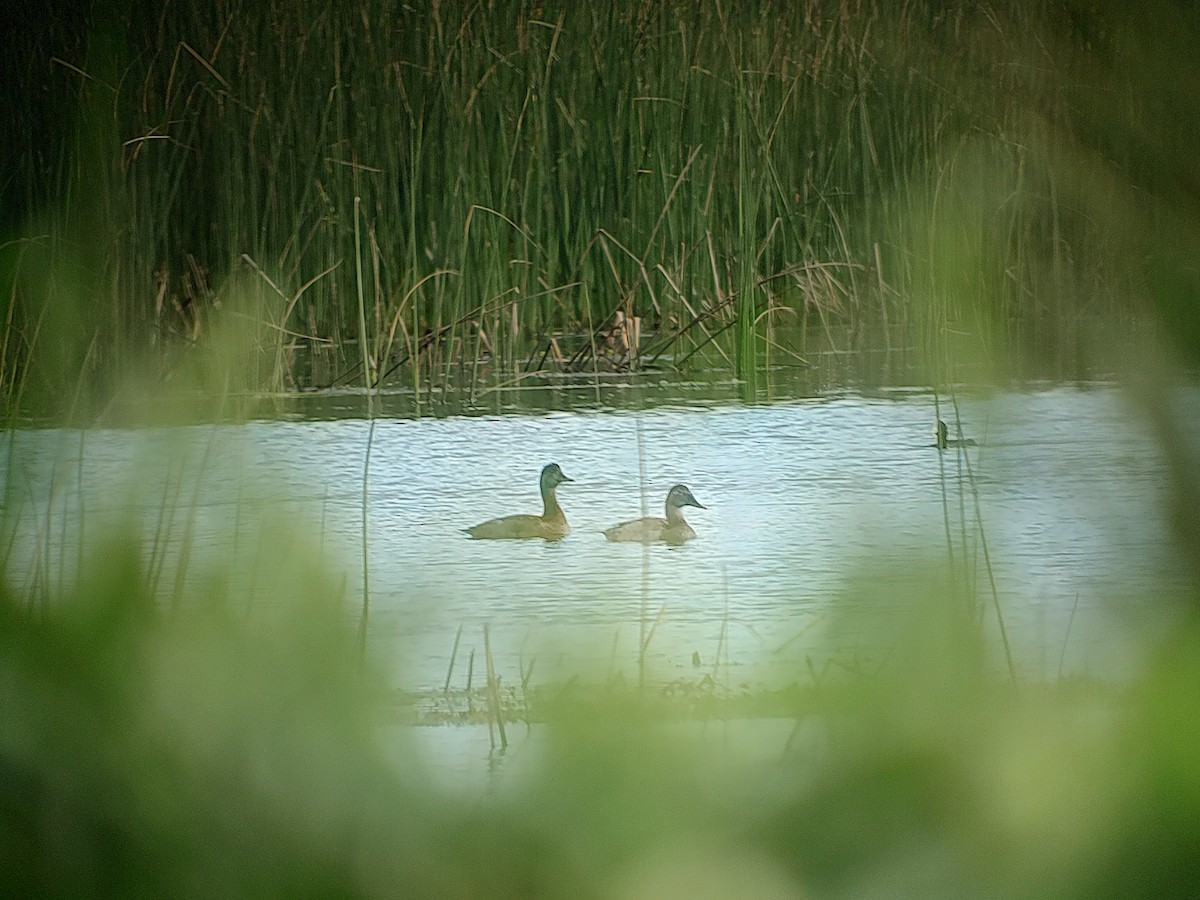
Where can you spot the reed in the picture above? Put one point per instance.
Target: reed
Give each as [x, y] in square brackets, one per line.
[512, 177]
[967, 491]
[495, 710]
[453, 657]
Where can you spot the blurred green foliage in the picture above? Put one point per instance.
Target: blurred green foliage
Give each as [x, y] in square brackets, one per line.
[202, 750]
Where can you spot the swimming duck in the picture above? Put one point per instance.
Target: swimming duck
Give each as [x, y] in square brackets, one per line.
[944, 441]
[673, 529]
[549, 526]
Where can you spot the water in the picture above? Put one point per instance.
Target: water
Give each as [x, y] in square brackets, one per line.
[815, 509]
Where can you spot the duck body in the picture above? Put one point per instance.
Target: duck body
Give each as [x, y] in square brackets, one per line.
[551, 525]
[652, 529]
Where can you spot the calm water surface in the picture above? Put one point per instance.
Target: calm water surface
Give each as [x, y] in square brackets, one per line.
[816, 509]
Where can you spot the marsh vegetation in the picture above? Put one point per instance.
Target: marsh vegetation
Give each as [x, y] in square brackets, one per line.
[248, 197]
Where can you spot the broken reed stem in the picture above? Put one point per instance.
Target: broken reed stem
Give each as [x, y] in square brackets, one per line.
[1062, 656]
[453, 656]
[493, 693]
[662, 611]
[722, 640]
[526, 675]
[470, 673]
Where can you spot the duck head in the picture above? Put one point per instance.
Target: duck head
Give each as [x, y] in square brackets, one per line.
[552, 477]
[679, 497]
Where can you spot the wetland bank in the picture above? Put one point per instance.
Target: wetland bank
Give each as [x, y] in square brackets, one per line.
[294, 294]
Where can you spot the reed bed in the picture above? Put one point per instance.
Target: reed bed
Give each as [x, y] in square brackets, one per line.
[412, 193]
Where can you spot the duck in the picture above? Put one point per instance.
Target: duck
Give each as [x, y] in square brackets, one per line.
[551, 525]
[673, 529]
[944, 441]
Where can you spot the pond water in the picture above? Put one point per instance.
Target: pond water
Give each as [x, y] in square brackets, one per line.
[820, 514]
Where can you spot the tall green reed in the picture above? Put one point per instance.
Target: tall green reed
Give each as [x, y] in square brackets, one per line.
[526, 173]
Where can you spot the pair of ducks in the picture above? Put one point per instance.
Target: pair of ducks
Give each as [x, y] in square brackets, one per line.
[552, 524]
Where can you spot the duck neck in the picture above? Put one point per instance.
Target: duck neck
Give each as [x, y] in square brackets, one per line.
[550, 507]
[675, 515]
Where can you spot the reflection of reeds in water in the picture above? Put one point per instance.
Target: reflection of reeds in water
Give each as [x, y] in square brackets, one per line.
[962, 486]
[364, 536]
